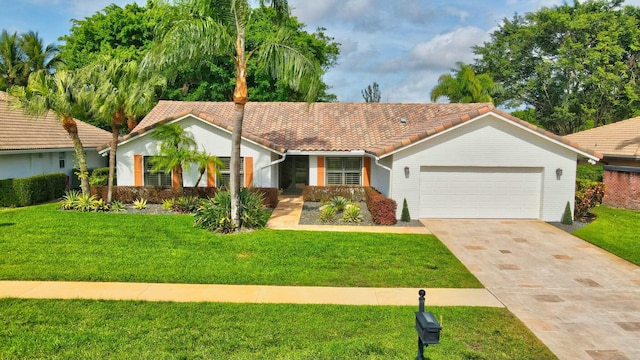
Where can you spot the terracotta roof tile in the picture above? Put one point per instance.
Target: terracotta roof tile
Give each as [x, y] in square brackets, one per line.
[22, 132]
[378, 128]
[621, 138]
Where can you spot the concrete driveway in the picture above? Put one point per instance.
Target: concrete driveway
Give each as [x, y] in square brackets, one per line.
[581, 301]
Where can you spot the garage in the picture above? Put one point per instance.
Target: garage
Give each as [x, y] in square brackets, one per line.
[480, 192]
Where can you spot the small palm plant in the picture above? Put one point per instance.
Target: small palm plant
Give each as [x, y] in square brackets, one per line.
[117, 206]
[85, 202]
[167, 204]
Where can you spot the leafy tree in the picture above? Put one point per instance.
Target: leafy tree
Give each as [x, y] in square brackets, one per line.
[206, 29]
[465, 86]
[372, 93]
[204, 160]
[127, 33]
[119, 93]
[11, 63]
[57, 92]
[176, 150]
[575, 64]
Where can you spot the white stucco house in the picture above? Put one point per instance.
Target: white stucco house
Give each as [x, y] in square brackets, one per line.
[446, 160]
[32, 146]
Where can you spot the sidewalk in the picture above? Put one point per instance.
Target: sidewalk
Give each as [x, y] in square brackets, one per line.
[244, 293]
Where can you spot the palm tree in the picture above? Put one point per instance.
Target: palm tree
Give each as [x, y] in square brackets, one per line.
[204, 160]
[176, 150]
[37, 56]
[209, 28]
[465, 86]
[57, 92]
[122, 93]
[12, 66]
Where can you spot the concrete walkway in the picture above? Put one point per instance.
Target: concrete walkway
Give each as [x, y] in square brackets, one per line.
[581, 301]
[244, 293]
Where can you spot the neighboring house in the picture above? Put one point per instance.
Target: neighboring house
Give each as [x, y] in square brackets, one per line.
[447, 160]
[32, 146]
[620, 145]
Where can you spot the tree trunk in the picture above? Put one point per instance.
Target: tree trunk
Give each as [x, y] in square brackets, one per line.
[240, 98]
[112, 161]
[72, 129]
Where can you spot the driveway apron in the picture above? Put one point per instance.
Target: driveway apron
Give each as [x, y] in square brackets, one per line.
[581, 301]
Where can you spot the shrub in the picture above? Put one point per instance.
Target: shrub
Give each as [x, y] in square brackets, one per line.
[352, 214]
[215, 214]
[185, 204]
[32, 190]
[405, 212]
[99, 177]
[326, 193]
[327, 213]
[567, 217]
[589, 172]
[382, 209]
[588, 195]
[140, 203]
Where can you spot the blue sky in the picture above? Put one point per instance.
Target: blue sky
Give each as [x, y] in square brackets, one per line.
[403, 45]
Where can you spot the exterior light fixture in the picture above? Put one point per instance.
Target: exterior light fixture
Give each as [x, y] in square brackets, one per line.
[558, 173]
[406, 171]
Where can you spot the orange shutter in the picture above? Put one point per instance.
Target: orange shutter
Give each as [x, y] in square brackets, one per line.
[320, 170]
[175, 180]
[366, 172]
[248, 171]
[137, 170]
[211, 175]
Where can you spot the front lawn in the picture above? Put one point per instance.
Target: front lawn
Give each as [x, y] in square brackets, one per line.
[82, 329]
[615, 230]
[43, 243]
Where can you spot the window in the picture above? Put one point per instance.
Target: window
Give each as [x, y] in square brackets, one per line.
[344, 171]
[223, 179]
[160, 178]
[61, 158]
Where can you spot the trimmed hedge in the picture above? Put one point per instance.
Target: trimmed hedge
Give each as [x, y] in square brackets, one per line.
[157, 194]
[326, 193]
[32, 190]
[382, 208]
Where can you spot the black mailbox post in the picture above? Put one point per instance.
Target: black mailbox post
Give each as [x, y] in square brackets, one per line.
[427, 327]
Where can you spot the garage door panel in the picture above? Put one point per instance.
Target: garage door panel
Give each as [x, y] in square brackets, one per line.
[478, 192]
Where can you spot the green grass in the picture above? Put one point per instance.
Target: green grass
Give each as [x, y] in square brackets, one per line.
[615, 230]
[81, 329]
[43, 243]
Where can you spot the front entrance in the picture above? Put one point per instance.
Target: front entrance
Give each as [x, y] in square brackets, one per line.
[294, 174]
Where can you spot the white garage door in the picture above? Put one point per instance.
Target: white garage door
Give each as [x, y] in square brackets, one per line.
[480, 192]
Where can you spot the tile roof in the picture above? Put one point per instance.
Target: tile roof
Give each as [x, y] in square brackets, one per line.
[621, 138]
[23, 132]
[377, 128]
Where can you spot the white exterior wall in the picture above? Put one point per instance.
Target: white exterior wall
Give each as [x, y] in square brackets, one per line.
[488, 142]
[210, 138]
[24, 164]
[381, 177]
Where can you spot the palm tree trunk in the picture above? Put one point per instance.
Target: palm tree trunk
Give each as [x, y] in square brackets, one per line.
[240, 98]
[112, 161]
[72, 129]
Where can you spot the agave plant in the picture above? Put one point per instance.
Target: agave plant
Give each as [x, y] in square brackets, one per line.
[117, 206]
[69, 200]
[327, 214]
[140, 203]
[167, 204]
[339, 202]
[352, 214]
[85, 202]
